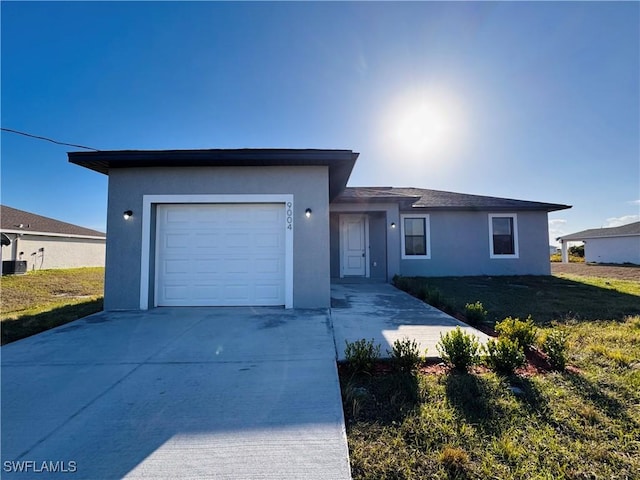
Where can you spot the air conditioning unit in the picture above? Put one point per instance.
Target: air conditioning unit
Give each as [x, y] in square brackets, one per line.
[14, 267]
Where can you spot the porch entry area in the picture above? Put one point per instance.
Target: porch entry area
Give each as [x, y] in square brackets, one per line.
[358, 245]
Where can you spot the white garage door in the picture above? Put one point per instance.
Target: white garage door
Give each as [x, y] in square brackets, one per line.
[220, 255]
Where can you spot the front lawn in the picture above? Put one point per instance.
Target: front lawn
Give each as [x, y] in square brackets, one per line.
[41, 300]
[581, 423]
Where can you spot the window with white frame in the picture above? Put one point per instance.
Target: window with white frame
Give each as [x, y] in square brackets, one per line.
[415, 231]
[503, 235]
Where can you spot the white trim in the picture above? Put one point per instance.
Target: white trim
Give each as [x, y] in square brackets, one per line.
[516, 249]
[149, 200]
[427, 226]
[365, 217]
[582, 239]
[51, 234]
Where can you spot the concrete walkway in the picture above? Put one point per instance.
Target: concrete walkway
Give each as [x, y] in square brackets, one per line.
[385, 314]
[208, 393]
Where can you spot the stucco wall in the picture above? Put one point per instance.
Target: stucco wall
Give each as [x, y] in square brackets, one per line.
[308, 185]
[460, 247]
[45, 252]
[613, 250]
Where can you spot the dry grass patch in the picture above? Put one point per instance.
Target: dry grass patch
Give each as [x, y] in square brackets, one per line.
[38, 301]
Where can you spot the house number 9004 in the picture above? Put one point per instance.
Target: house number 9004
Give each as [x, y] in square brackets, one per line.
[289, 216]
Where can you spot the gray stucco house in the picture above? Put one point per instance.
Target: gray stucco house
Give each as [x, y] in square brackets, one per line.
[273, 227]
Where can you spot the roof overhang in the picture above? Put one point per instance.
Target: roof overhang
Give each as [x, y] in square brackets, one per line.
[340, 162]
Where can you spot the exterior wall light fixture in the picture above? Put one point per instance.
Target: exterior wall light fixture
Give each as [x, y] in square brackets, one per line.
[307, 213]
[127, 214]
[393, 224]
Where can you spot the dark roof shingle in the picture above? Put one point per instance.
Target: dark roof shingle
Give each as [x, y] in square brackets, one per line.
[12, 218]
[440, 200]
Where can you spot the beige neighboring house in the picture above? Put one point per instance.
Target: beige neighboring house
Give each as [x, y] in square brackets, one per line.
[33, 242]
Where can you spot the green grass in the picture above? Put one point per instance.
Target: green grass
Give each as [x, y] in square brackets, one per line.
[41, 300]
[579, 424]
[546, 298]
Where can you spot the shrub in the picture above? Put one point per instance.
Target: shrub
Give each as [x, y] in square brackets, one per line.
[362, 355]
[405, 355]
[475, 312]
[504, 355]
[400, 282]
[555, 346]
[459, 349]
[434, 297]
[453, 459]
[522, 331]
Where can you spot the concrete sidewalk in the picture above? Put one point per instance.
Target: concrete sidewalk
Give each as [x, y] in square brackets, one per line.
[385, 314]
[224, 393]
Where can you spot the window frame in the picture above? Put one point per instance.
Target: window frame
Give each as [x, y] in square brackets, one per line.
[427, 235]
[516, 250]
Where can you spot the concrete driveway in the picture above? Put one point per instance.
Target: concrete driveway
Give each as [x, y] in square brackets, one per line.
[385, 314]
[224, 393]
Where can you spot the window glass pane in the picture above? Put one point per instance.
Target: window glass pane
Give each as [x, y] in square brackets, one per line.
[503, 238]
[415, 245]
[502, 225]
[503, 245]
[414, 226]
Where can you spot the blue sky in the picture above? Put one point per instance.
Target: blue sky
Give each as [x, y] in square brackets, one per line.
[535, 101]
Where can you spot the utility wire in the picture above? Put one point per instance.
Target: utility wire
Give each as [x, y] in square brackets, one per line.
[47, 139]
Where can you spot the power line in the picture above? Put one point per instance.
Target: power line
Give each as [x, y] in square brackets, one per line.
[47, 139]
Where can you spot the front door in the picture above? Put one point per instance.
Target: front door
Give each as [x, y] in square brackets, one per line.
[353, 245]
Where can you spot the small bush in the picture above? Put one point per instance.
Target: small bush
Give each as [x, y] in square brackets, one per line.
[522, 331]
[504, 355]
[434, 297]
[405, 355]
[362, 355]
[400, 282]
[475, 312]
[453, 459]
[555, 346]
[459, 349]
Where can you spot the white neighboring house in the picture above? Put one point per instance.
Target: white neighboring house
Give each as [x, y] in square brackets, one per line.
[607, 245]
[34, 242]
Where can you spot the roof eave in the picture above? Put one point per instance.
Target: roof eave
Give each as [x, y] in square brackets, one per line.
[339, 162]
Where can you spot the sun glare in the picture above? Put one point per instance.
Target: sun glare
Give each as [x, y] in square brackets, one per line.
[424, 123]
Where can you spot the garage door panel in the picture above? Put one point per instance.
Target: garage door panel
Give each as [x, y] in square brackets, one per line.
[267, 293]
[170, 267]
[172, 293]
[206, 240]
[208, 266]
[268, 265]
[236, 293]
[238, 266]
[220, 254]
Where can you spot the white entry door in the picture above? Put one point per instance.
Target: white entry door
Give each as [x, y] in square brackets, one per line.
[220, 255]
[353, 245]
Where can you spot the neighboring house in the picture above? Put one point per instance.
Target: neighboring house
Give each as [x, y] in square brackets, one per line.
[272, 227]
[607, 245]
[45, 243]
